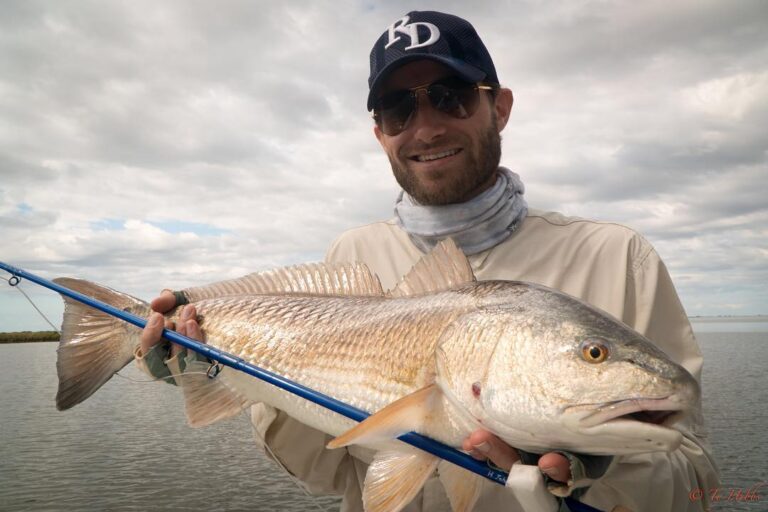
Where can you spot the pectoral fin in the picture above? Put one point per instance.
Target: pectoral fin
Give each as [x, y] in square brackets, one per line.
[399, 417]
[462, 487]
[394, 478]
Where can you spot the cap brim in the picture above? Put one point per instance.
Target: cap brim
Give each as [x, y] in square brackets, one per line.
[464, 70]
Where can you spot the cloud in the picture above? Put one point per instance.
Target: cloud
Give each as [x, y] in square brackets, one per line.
[150, 145]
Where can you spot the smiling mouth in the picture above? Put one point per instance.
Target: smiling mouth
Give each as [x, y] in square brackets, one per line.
[435, 156]
[656, 411]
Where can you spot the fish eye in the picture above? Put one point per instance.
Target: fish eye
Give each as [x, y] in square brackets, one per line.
[594, 351]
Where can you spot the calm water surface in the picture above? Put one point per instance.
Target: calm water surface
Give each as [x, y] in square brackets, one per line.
[735, 391]
[128, 447]
[125, 448]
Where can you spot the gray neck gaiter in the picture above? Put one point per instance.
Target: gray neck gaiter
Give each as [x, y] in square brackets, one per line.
[477, 225]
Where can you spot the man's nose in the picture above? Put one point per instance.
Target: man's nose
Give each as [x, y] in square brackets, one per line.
[426, 122]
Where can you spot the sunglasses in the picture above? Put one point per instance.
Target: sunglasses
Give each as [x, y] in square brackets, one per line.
[453, 96]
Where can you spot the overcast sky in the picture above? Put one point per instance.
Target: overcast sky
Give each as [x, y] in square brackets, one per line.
[149, 144]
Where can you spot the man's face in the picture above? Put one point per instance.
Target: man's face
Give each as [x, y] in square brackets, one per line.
[439, 159]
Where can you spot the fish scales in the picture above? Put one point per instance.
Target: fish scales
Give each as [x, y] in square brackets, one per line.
[328, 342]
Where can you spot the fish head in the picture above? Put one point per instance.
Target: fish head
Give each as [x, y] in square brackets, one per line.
[544, 370]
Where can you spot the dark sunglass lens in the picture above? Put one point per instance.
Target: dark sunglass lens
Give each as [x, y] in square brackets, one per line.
[454, 97]
[394, 110]
[443, 98]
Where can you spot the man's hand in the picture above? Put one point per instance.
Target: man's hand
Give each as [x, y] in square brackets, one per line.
[483, 445]
[152, 333]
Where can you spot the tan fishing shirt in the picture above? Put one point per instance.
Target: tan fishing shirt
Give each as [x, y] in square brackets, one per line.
[605, 264]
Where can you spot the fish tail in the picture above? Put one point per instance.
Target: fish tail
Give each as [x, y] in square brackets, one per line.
[94, 345]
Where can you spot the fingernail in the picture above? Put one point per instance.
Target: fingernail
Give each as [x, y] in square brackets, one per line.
[552, 472]
[483, 448]
[186, 313]
[155, 320]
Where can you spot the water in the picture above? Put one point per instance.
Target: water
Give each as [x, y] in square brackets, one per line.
[128, 447]
[735, 390]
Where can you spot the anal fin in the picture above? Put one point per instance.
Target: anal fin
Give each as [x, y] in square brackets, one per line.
[462, 487]
[401, 416]
[394, 478]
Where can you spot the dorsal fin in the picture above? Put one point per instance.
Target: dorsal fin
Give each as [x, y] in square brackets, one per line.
[445, 267]
[308, 278]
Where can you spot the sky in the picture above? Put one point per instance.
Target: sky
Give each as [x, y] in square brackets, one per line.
[148, 145]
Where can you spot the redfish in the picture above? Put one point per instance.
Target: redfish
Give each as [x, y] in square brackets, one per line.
[441, 354]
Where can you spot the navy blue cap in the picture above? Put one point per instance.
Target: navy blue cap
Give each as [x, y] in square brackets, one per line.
[432, 35]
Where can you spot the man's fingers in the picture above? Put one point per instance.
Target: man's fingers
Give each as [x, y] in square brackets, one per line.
[151, 334]
[188, 312]
[500, 453]
[481, 444]
[176, 348]
[187, 326]
[193, 330]
[163, 303]
[477, 455]
[189, 321]
[556, 466]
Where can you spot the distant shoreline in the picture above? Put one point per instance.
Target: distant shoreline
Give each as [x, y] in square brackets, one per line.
[12, 342]
[28, 337]
[717, 319]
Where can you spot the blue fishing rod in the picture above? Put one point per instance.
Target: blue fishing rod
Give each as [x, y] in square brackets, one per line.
[424, 443]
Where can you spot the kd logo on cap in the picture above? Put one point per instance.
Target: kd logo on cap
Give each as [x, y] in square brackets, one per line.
[412, 31]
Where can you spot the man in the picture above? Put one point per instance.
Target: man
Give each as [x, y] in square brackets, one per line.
[439, 108]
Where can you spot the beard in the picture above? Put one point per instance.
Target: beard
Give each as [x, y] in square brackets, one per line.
[461, 186]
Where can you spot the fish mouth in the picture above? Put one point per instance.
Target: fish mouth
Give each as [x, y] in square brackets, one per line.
[662, 412]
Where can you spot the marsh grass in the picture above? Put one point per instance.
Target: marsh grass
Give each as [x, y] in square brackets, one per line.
[28, 336]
